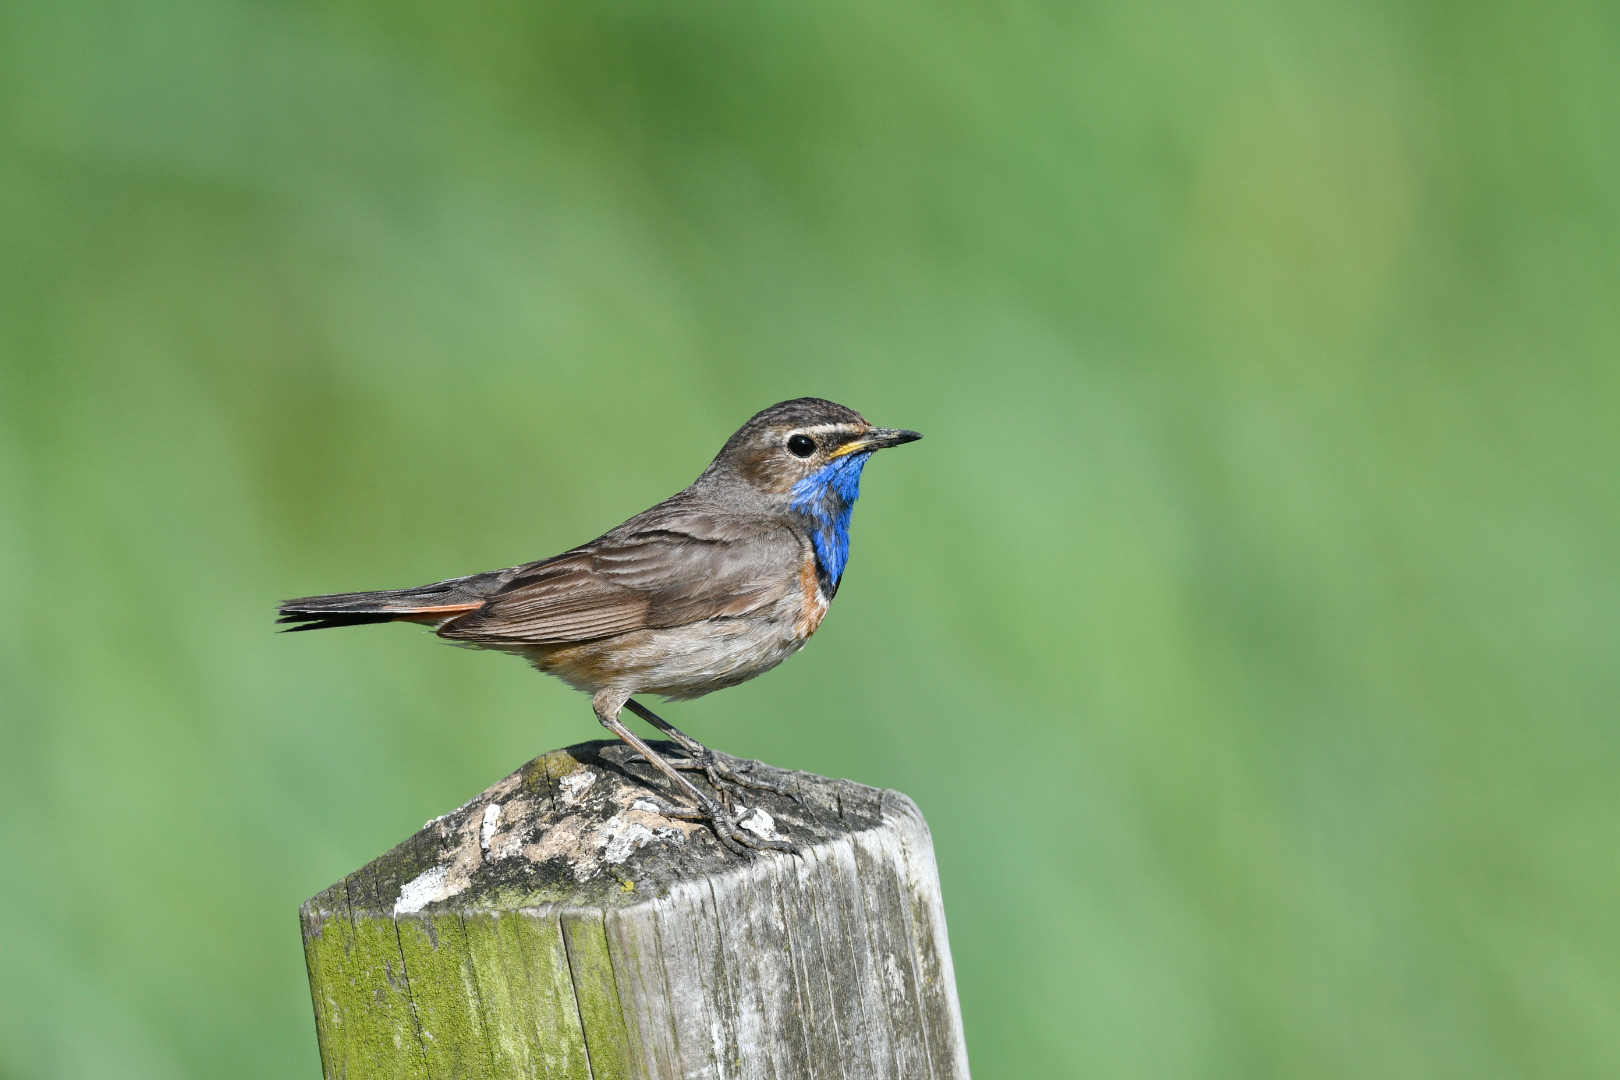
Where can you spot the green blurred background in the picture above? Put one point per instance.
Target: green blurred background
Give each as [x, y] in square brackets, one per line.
[1247, 626]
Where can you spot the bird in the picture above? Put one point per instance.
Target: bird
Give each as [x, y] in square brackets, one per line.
[715, 585]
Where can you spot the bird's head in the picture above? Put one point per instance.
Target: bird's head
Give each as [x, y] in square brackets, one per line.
[805, 457]
[811, 440]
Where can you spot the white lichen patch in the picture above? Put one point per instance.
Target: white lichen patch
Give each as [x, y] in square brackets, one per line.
[761, 824]
[575, 784]
[624, 840]
[624, 834]
[426, 888]
[492, 817]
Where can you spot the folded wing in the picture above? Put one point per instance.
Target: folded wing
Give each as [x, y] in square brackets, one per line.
[664, 568]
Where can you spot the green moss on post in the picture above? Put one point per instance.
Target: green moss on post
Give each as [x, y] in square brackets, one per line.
[445, 995]
[600, 1010]
[362, 1005]
[521, 968]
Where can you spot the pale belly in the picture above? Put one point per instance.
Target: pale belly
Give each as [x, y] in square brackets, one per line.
[686, 661]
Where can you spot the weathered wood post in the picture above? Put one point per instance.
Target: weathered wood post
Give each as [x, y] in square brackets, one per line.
[556, 926]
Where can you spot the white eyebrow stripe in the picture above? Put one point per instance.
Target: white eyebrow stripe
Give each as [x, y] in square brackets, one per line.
[827, 429]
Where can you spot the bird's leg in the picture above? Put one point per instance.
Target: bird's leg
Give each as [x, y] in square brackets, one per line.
[608, 704]
[721, 775]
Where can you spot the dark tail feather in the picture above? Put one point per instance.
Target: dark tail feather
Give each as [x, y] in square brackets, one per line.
[310, 620]
[430, 604]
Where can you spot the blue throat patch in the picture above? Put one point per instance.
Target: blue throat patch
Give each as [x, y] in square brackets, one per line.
[827, 499]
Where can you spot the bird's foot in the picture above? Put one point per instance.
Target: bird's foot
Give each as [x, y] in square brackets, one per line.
[736, 833]
[726, 780]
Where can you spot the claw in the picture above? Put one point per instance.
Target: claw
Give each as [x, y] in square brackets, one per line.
[748, 780]
[726, 827]
[723, 777]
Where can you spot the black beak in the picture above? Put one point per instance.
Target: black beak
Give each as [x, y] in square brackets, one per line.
[878, 438]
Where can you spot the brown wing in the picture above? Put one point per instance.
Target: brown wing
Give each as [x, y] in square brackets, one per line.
[664, 568]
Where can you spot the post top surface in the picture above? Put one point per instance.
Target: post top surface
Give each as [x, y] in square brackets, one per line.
[575, 828]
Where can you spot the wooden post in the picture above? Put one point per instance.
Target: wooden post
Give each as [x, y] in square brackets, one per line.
[557, 926]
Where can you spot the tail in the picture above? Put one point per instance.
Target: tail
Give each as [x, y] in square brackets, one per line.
[434, 604]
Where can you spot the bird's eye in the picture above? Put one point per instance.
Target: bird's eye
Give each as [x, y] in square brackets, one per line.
[801, 446]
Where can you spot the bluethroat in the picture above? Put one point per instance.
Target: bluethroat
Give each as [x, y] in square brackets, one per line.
[711, 587]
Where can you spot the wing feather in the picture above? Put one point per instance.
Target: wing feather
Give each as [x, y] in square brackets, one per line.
[665, 568]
